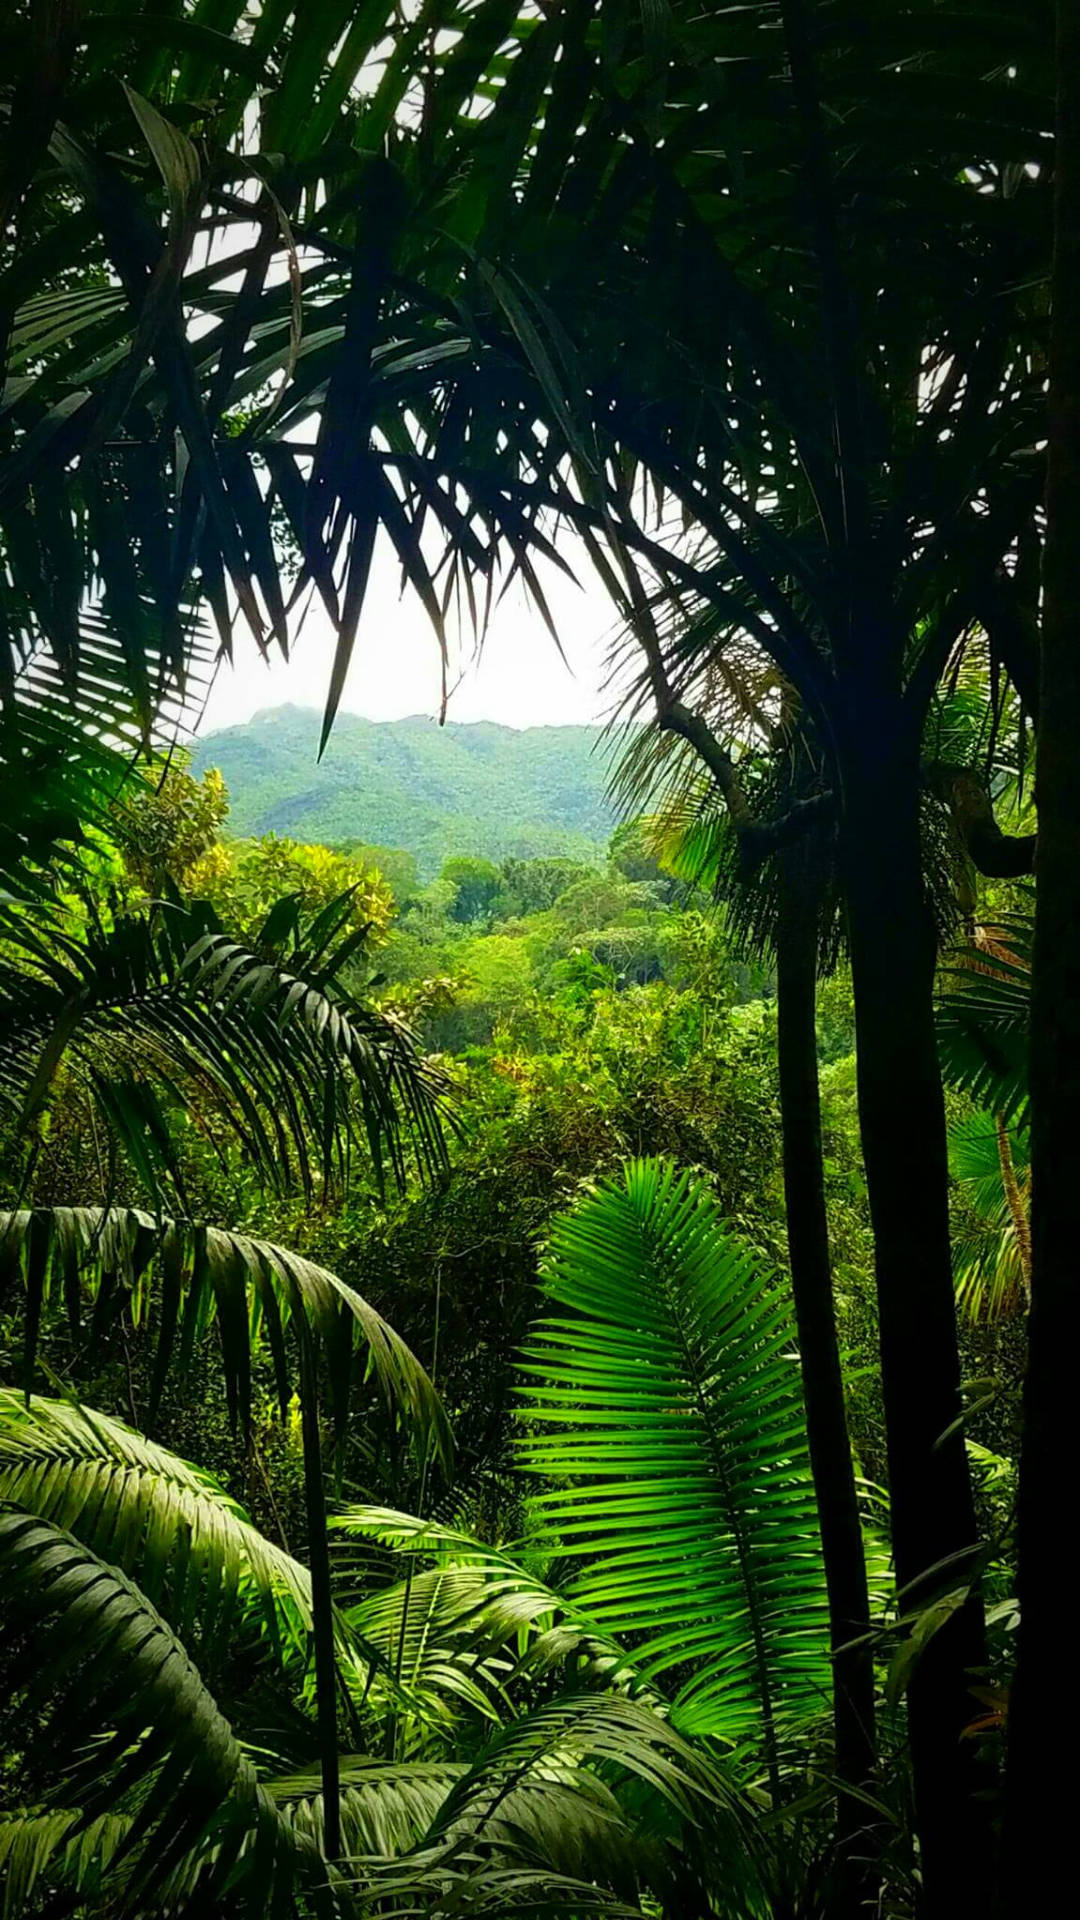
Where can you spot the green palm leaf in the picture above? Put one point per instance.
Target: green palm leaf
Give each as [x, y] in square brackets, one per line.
[56, 781]
[597, 1784]
[589, 1789]
[982, 1031]
[129, 1720]
[594, 1793]
[420, 1628]
[251, 1289]
[989, 1255]
[386, 1807]
[672, 1426]
[282, 1056]
[166, 1524]
[57, 1845]
[493, 1604]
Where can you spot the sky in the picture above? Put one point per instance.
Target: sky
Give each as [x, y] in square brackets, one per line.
[519, 681]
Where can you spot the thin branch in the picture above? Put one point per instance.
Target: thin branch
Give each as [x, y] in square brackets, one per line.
[998, 855]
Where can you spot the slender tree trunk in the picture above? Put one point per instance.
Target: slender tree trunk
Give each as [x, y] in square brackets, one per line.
[1016, 1203]
[902, 1121]
[823, 1385]
[1040, 1873]
[321, 1597]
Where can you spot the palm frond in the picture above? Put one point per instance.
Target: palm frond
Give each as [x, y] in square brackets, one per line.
[546, 1809]
[281, 1055]
[386, 1806]
[673, 1434]
[166, 1524]
[251, 1289]
[55, 1845]
[495, 1604]
[991, 1249]
[129, 1717]
[983, 1016]
[57, 781]
[441, 1670]
[639, 1775]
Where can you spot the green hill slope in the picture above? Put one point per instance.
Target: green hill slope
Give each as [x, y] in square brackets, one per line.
[434, 790]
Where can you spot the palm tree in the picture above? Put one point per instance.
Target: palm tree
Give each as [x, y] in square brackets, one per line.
[740, 784]
[1036, 1823]
[852, 610]
[783, 904]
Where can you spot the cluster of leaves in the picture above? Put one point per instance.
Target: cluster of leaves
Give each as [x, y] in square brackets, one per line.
[505, 1728]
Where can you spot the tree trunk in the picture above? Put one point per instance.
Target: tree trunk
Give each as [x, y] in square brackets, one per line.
[823, 1386]
[1040, 1872]
[322, 1610]
[1016, 1203]
[902, 1121]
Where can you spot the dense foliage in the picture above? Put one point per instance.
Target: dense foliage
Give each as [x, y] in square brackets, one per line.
[534, 1361]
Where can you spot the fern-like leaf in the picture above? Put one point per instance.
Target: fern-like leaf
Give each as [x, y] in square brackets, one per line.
[120, 1717]
[167, 1524]
[252, 1290]
[673, 1435]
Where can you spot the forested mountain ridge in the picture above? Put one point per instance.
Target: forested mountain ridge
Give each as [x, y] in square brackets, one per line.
[460, 788]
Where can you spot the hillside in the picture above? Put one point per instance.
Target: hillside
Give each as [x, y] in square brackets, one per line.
[461, 788]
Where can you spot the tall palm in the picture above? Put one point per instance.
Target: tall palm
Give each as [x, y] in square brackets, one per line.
[1036, 1824]
[846, 593]
[783, 903]
[740, 789]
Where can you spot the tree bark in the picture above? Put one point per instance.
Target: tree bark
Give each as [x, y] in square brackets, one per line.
[321, 1597]
[1039, 1866]
[902, 1120]
[823, 1385]
[1016, 1203]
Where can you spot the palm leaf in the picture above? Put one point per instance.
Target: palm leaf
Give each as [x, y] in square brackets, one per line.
[638, 1774]
[435, 1670]
[596, 1795]
[386, 1807]
[578, 1790]
[56, 782]
[252, 1289]
[166, 1524]
[129, 1715]
[988, 1257]
[283, 1056]
[983, 1017]
[494, 1604]
[668, 1396]
[59, 1846]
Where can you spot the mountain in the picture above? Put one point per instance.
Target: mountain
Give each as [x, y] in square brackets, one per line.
[436, 791]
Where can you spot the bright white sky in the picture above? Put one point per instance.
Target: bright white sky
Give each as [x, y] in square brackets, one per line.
[519, 680]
